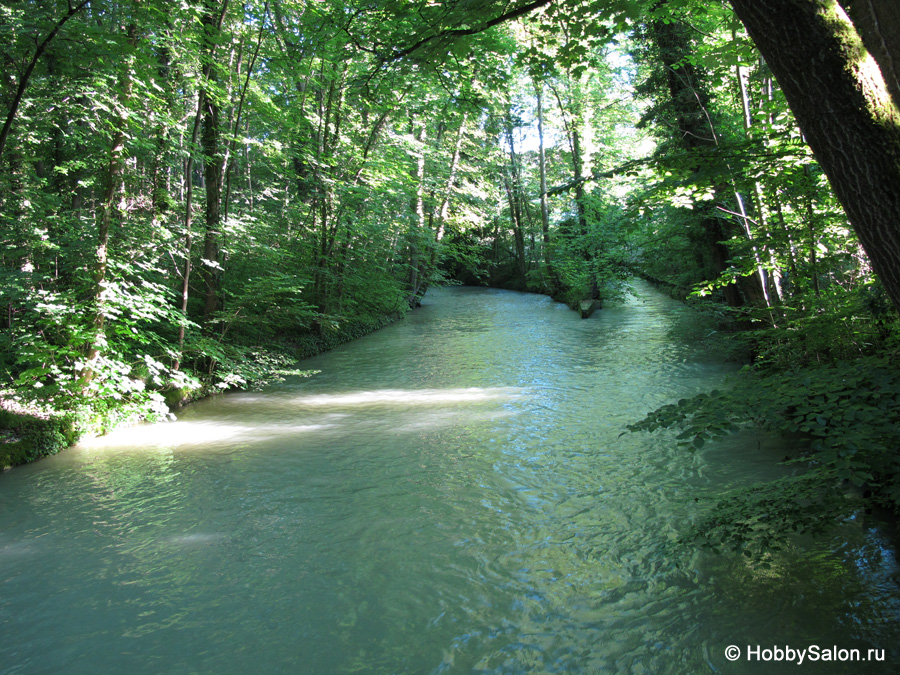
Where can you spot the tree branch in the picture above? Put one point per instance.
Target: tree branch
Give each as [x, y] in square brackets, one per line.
[462, 32]
[622, 168]
[23, 83]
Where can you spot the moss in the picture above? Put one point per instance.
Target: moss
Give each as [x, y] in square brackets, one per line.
[179, 396]
[27, 435]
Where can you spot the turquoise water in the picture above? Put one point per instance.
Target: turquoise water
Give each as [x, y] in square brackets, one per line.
[451, 494]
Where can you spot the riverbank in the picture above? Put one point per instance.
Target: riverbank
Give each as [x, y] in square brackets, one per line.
[28, 434]
[30, 431]
[452, 492]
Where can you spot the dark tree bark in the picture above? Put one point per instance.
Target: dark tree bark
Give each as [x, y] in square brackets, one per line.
[878, 24]
[212, 172]
[159, 178]
[213, 161]
[690, 103]
[844, 108]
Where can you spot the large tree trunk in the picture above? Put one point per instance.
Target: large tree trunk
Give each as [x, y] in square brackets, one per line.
[213, 161]
[840, 99]
[878, 24]
[689, 99]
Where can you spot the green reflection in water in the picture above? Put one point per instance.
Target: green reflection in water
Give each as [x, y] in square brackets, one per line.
[450, 494]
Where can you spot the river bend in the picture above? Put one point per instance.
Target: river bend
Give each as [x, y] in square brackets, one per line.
[451, 494]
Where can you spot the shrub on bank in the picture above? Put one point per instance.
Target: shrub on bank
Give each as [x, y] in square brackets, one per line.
[25, 438]
[844, 419]
[333, 335]
[31, 429]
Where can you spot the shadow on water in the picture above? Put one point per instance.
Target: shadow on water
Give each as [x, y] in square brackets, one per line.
[451, 494]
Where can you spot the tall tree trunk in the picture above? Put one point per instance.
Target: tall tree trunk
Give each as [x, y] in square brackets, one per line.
[329, 110]
[159, 185]
[188, 222]
[742, 79]
[232, 150]
[690, 99]
[575, 124]
[839, 97]
[15, 253]
[213, 162]
[515, 217]
[418, 213]
[811, 226]
[514, 193]
[210, 271]
[552, 277]
[438, 220]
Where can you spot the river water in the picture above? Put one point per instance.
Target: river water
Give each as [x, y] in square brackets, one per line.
[451, 494]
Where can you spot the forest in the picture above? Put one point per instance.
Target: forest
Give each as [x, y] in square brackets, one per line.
[195, 194]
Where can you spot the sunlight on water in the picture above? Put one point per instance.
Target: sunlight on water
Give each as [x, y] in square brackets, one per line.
[168, 434]
[452, 494]
[196, 539]
[410, 396]
[179, 434]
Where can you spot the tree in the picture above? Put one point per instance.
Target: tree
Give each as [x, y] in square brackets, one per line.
[878, 24]
[213, 155]
[820, 62]
[29, 69]
[288, 125]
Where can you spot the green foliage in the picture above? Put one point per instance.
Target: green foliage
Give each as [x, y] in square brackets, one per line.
[337, 333]
[354, 179]
[237, 366]
[32, 428]
[845, 422]
[763, 518]
[24, 438]
[50, 340]
[597, 261]
[838, 324]
[262, 307]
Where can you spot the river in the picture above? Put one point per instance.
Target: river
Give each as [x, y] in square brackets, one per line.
[451, 494]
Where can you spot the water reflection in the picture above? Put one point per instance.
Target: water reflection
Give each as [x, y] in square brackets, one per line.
[450, 495]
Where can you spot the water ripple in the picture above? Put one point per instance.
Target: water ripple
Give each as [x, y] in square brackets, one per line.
[451, 494]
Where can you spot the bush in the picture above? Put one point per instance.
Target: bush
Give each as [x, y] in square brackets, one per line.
[846, 419]
[26, 438]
